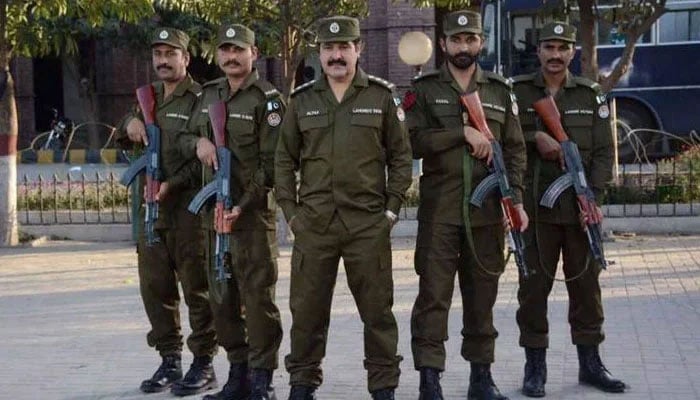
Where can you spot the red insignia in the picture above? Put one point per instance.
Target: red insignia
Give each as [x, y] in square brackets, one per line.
[409, 99]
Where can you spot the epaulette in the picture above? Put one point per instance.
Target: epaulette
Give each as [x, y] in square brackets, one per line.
[303, 87]
[196, 89]
[267, 88]
[381, 82]
[498, 78]
[214, 82]
[523, 78]
[388, 86]
[426, 75]
[579, 80]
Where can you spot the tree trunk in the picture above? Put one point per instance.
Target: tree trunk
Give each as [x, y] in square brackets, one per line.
[589, 40]
[9, 235]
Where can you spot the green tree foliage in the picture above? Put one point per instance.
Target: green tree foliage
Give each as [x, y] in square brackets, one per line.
[38, 28]
[631, 17]
[284, 28]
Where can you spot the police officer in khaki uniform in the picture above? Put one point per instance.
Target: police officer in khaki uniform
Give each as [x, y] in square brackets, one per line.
[179, 255]
[247, 320]
[455, 237]
[344, 135]
[585, 115]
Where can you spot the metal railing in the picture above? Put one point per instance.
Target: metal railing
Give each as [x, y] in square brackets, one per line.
[662, 189]
[73, 199]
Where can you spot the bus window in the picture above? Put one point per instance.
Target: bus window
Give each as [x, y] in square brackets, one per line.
[679, 26]
[607, 31]
[521, 27]
[523, 45]
[488, 53]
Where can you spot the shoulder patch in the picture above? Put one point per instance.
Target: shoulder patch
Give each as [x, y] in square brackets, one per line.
[523, 78]
[381, 82]
[303, 87]
[425, 75]
[214, 82]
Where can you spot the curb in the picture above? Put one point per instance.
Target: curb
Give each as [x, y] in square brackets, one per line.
[403, 229]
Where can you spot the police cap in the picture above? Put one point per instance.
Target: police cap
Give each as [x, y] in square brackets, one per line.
[338, 29]
[558, 31]
[235, 34]
[170, 36]
[464, 21]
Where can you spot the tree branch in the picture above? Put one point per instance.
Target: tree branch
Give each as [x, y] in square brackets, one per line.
[631, 37]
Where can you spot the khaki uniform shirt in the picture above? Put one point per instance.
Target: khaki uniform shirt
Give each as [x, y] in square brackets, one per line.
[585, 117]
[255, 112]
[180, 172]
[353, 157]
[436, 125]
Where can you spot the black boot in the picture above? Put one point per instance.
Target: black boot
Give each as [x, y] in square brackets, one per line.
[430, 384]
[383, 394]
[198, 379]
[169, 372]
[481, 386]
[592, 371]
[237, 387]
[261, 385]
[301, 392]
[535, 372]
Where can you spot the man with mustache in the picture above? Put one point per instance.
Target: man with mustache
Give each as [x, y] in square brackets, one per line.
[247, 320]
[344, 136]
[454, 237]
[585, 116]
[179, 255]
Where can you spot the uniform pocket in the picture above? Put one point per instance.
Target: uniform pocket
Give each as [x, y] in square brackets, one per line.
[423, 244]
[297, 224]
[366, 133]
[297, 260]
[242, 132]
[316, 140]
[580, 129]
[495, 119]
[449, 115]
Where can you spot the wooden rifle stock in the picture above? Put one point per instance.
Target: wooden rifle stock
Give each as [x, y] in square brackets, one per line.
[217, 117]
[147, 102]
[472, 103]
[546, 108]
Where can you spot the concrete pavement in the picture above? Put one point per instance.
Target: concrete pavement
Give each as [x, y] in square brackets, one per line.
[73, 326]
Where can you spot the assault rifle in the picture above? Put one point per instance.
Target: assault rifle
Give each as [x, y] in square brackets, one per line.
[575, 176]
[497, 179]
[149, 161]
[221, 188]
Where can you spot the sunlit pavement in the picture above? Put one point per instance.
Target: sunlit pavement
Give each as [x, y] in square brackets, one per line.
[73, 326]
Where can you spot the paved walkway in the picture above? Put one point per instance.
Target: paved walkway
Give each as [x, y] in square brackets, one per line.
[72, 326]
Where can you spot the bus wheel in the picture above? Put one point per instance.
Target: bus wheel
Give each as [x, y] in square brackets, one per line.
[634, 140]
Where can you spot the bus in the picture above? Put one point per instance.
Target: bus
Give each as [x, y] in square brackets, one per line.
[657, 100]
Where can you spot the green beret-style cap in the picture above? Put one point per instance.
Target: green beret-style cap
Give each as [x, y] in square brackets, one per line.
[461, 22]
[236, 34]
[557, 31]
[170, 36]
[338, 29]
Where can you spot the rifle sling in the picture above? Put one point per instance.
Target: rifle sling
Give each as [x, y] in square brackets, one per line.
[467, 167]
[535, 188]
